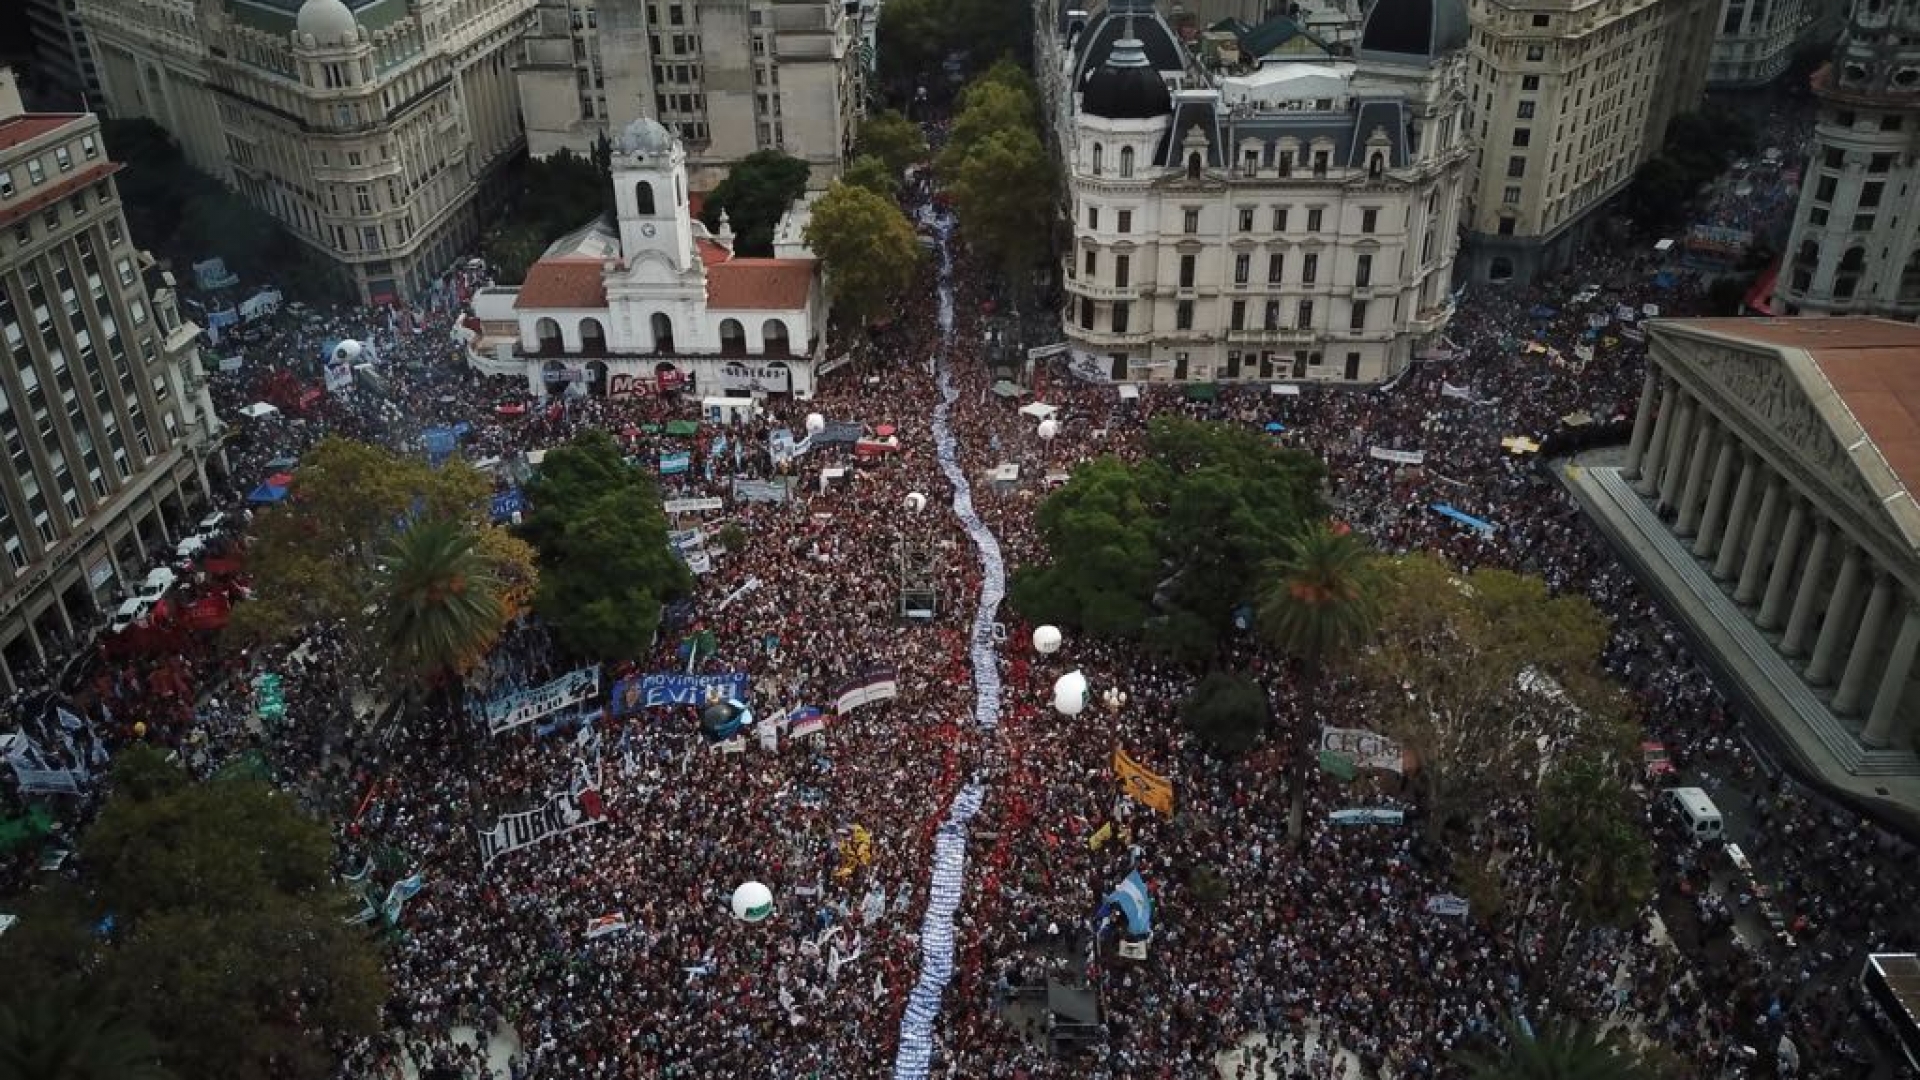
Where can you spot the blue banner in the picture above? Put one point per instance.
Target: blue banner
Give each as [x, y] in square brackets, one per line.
[674, 464]
[508, 503]
[637, 692]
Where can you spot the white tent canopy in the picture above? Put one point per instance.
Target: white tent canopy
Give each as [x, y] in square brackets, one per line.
[257, 410]
[1037, 410]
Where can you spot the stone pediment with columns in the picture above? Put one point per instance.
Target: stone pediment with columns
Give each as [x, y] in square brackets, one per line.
[1787, 411]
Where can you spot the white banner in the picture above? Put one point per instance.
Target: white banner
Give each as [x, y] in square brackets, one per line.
[1364, 748]
[512, 710]
[1463, 393]
[563, 813]
[745, 490]
[692, 506]
[1398, 457]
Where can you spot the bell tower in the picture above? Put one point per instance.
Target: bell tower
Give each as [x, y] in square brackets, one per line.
[650, 194]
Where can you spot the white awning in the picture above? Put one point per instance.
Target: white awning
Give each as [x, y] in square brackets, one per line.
[257, 410]
[1038, 410]
[1286, 389]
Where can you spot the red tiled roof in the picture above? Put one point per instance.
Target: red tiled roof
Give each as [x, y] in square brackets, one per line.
[20, 208]
[759, 284]
[563, 283]
[711, 253]
[18, 129]
[696, 203]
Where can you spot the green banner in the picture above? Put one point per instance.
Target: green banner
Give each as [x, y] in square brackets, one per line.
[1338, 764]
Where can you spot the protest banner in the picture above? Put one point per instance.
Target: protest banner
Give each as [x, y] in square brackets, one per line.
[632, 694]
[770, 491]
[876, 684]
[1367, 815]
[1144, 787]
[509, 711]
[692, 506]
[806, 721]
[675, 464]
[1447, 904]
[562, 813]
[614, 923]
[1365, 749]
[1398, 457]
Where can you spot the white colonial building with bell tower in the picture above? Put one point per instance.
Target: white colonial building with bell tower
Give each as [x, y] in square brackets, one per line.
[653, 302]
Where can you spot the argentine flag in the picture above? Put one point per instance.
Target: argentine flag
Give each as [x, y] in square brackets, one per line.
[1135, 903]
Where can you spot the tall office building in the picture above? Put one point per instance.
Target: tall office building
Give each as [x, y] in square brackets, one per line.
[375, 132]
[1295, 221]
[103, 407]
[1568, 99]
[1855, 248]
[1757, 39]
[728, 77]
[60, 51]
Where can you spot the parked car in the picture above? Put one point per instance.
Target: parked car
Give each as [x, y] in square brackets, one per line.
[159, 580]
[132, 611]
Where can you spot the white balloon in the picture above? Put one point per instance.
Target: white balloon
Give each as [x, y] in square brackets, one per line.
[1046, 640]
[346, 352]
[816, 423]
[752, 902]
[916, 501]
[1048, 429]
[1070, 694]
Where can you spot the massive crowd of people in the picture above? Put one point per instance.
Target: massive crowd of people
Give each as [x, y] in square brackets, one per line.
[610, 952]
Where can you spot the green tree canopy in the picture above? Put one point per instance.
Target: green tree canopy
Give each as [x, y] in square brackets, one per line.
[1471, 670]
[605, 566]
[1176, 539]
[757, 190]
[1563, 1050]
[991, 108]
[869, 249]
[891, 137]
[63, 1032]
[206, 914]
[556, 195]
[441, 605]
[871, 174]
[315, 558]
[1003, 191]
[1227, 712]
[1590, 821]
[1320, 599]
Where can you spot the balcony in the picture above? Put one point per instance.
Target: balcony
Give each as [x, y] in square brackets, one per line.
[1082, 287]
[1431, 320]
[1103, 339]
[1279, 335]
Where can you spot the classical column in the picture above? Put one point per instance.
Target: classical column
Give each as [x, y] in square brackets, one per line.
[1760, 539]
[1679, 441]
[1786, 560]
[1715, 511]
[1708, 431]
[1648, 480]
[1807, 598]
[1839, 618]
[1642, 423]
[1893, 682]
[1737, 530]
[1866, 644]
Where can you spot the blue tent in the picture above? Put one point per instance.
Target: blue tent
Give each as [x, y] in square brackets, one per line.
[1276, 426]
[268, 493]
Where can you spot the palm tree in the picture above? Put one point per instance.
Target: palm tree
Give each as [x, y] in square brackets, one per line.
[1567, 1051]
[1322, 597]
[1319, 600]
[62, 1034]
[439, 600]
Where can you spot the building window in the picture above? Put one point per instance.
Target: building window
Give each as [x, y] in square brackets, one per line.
[1246, 219]
[1242, 268]
[6, 184]
[1359, 320]
[1126, 221]
[1828, 184]
[1363, 270]
[1870, 192]
[1237, 316]
[125, 267]
[1280, 218]
[1369, 219]
[1099, 155]
[1086, 314]
[1510, 193]
[1506, 227]
[1120, 313]
[35, 171]
[1091, 260]
[1122, 270]
[1126, 162]
[1186, 271]
[1516, 166]
[1306, 315]
[1093, 217]
[1523, 136]
[1183, 315]
[1313, 219]
[1536, 53]
[89, 148]
[1525, 109]
[1310, 267]
[1190, 222]
[63, 158]
[1276, 267]
[1529, 83]
[113, 233]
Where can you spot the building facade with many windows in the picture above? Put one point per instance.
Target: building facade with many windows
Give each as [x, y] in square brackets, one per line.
[1756, 39]
[103, 407]
[1297, 220]
[1855, 247]
[1568, 100]
[729, 77]
[375, 132]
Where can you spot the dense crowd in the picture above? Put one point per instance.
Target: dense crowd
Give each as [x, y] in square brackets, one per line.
[1331, 935]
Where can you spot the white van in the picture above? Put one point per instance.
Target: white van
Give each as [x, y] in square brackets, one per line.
[1697, 810]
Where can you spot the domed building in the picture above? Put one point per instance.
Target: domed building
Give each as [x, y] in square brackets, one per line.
[376, 131]
[652, 302]
[1293, 217]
